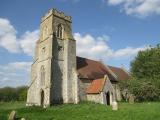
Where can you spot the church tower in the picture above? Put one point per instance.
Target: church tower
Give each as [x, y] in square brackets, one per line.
[53, 73]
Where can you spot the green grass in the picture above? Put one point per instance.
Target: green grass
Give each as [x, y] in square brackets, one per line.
[83, 111]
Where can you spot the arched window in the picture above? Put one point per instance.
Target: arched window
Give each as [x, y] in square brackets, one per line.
[42, 76]
[60, 31]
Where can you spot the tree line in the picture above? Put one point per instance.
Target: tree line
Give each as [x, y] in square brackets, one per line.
[13, 94]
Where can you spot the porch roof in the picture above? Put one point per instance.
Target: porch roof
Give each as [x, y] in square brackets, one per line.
[96, 86]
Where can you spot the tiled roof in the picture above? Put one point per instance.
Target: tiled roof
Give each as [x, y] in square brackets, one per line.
[120, 73]
[92, 69]
[96, 86]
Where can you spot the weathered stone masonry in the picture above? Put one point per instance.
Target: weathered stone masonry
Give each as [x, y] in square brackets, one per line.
[53, 74]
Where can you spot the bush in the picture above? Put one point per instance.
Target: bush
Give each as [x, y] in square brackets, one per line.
[142, 89]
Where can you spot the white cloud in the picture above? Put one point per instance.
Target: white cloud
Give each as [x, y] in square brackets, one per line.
[115, 2]
[28, 41]
[127, 52]
[20, 66]
[15, 74]
[140, 8]
[97, 48]
[8, 39]
[88, 46]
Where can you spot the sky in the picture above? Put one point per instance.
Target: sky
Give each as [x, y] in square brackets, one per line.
[111, 31]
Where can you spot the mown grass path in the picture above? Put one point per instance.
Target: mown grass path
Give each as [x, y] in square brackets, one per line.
[83, 111]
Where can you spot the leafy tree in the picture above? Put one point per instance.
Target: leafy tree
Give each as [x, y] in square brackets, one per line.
[147, 65]
[145, 70]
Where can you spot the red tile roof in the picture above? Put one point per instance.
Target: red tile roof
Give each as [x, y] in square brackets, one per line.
[91, 69]
[120, 73]
[96, 86]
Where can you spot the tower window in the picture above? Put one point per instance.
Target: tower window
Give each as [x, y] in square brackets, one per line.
[60, 30]
[42, 76]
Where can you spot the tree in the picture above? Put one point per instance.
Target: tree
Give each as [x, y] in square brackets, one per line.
[145, 70]
[8, 94]
[22, 93]
[142, 89]
[147, 65]
[13, 94]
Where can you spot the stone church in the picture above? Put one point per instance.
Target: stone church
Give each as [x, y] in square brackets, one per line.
[59, 76]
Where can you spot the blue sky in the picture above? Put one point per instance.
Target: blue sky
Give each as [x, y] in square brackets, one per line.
[112, 30]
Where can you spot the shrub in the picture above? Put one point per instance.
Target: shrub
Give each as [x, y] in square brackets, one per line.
[142, 89]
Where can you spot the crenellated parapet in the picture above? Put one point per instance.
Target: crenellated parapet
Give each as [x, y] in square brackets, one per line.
[56, 13]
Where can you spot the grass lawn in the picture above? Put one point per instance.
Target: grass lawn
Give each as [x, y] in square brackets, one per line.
[83, 111]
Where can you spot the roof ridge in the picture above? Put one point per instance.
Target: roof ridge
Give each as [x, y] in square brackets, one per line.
[88, 59]
[126, 71]
[112, 73]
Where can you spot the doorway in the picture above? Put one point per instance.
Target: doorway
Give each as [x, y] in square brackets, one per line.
[108, 98]
[42, 97]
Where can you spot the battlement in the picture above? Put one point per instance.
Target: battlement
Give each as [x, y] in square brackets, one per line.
[56, 13]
